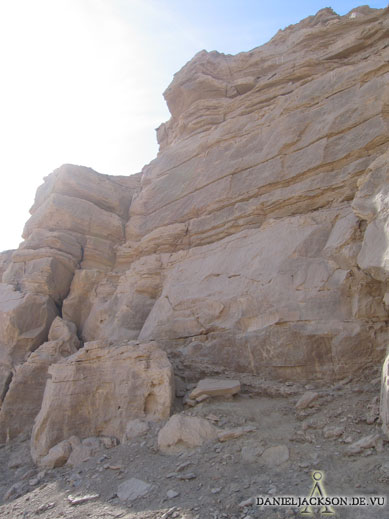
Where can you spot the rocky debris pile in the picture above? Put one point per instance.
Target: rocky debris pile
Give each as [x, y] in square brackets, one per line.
[140, 480]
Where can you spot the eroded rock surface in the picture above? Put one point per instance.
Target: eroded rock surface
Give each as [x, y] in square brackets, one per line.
[244, 248]
[23, 399]
[255, 244]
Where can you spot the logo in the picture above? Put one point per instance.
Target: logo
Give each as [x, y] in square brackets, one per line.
[318, 502]
[318, 491]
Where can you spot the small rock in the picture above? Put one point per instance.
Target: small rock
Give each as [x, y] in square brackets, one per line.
[186, 477]
[79, 500]
[231, 434]
[132, 489]
[183, 466]
[366, 442]
[171, 494]
[135, 429]
[171, 475]
[307, 399]
[109, 442]
[215, 490]
[331, 432]
[188, 401]
[168, 513]
[274, 456]
[215, 387]
[201, 398]
[246, 502]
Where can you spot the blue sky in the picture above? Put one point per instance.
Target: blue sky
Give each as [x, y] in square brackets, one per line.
[82, 80]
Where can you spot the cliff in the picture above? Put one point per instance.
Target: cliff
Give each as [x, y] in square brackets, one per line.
[256, 243]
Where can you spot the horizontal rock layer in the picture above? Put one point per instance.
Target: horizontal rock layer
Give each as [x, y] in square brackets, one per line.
[244, 249]
[256, 242]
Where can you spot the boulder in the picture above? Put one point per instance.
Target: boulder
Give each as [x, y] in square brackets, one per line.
[96, 391]
[185, 432]
[57, 456]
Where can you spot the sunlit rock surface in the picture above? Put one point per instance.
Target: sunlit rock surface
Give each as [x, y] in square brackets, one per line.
[256, 242]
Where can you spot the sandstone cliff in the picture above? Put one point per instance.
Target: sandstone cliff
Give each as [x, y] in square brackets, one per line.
[255, 243]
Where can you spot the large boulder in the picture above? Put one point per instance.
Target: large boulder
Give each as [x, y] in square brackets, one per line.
[182, 432]
[99, 389]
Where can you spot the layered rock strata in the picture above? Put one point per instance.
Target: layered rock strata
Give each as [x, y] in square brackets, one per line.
[77, 221]
[243, 249]
[256, 242]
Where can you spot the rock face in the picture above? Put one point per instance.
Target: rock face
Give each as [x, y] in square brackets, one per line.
[96, 391]
[25, 319]
[23, 399]
[244, 248]
[256, 242]
[5, 260]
